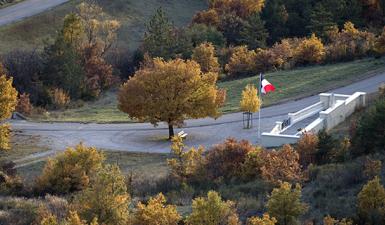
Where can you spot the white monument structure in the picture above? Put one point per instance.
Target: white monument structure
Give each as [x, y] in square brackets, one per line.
[331, 110]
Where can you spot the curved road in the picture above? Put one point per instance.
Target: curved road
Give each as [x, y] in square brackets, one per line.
[26, 9]
[145, 138]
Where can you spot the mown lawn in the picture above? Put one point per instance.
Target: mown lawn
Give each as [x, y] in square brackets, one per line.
[305, 81]
[32, 32]
[291, 84]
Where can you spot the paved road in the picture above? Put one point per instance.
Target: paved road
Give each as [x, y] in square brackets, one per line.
[25, 9]
[145, 138]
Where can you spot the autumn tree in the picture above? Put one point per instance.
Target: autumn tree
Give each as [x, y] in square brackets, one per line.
[372, 168]
[204, 55]
[212, 210]
[225, 160]
[186, 166]
[171, 91]
[156, 212]
[106, 199]
[250, 102]
[24, 105]
[242, 62]
[285, 204]
[307, 148]
[328, 220]
[371, 202]
[71, 170]
[281, 165]
[8, 102]
[264, 220]
[379, 45]
[310, 50]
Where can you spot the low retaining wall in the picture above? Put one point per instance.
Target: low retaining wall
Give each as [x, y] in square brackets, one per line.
[336, 108]
[306, 112]
[274, 140]
[342, 109]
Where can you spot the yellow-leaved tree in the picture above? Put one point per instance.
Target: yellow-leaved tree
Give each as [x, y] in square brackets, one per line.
[186, 165]
[285, 204]
[171, 91]
[71, 170]
[8, 102]
[204, 55]
[265, 220]
[371, 202]
[156, 212]
[106, 199]
[250, 102]
[310, 50]
[212, 211]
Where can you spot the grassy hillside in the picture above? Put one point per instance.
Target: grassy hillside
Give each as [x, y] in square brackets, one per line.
[133, 14]
[290, 84]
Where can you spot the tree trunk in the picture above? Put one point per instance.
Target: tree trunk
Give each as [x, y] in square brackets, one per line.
[170, 131]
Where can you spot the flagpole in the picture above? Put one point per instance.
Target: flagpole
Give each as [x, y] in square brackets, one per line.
[259, 112]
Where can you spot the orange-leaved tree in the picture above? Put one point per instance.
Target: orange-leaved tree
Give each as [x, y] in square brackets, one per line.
[171, 91]
[8, 102]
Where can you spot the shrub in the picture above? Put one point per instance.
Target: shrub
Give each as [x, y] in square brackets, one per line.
[24, 105]
[282, 165]
[310, 50]
[328, 220]
[372, 168]
[209, 17]
[349, 43]
[212, 211]
[59, 98]
[379, 45]
[225, 160]
[283, 52]
[204, 55]
[156, 212]
[265, 60]
[285, 204]
[241, 63]
[306, 148]
[5, 133]
[371, 202]
[70, 171]
[265, 220]
[186, 166]
[106, 199]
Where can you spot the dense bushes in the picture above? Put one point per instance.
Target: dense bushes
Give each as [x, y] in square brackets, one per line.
[70, 171]
[234, 160]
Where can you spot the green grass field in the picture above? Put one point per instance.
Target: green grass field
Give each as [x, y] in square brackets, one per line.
[305, 81]
[32, 32]
[291, 84]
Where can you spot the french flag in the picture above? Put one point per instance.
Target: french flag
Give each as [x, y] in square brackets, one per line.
[266, 86]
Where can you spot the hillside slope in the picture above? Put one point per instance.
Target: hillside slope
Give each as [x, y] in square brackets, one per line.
[133, 14]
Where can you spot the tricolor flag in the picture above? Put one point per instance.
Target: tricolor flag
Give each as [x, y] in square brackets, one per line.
[266, 86]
